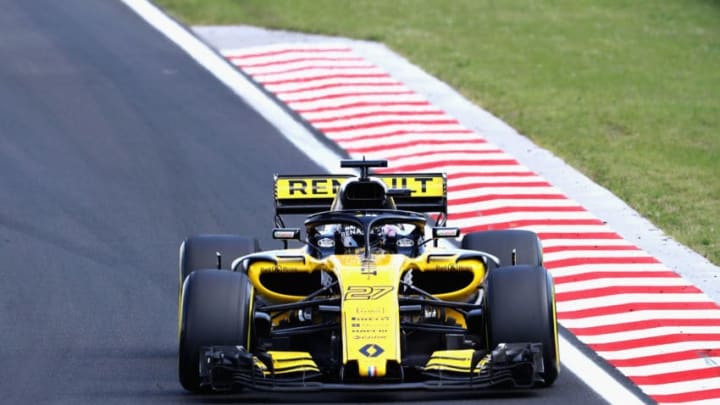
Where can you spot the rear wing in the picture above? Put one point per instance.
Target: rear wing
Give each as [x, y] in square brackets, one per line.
[308, 194]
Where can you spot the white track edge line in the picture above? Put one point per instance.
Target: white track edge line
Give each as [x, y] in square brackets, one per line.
[572, 358]
[594, 376]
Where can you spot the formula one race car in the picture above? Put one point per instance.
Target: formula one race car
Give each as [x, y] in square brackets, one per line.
[369, 300]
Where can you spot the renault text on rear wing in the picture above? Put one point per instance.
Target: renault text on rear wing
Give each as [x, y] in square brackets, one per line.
[307, 194]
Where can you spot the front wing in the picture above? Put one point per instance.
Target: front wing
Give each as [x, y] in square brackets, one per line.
[517, 365]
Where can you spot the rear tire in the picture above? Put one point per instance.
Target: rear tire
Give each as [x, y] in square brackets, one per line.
[520, 308]
[215, 310]
[200, 252]
[500, 244]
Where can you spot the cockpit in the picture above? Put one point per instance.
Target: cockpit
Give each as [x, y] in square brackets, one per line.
[378, 234]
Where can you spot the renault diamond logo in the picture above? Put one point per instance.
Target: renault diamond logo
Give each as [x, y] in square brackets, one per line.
[371, 350]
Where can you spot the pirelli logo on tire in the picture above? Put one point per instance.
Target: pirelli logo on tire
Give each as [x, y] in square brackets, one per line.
[321, 187]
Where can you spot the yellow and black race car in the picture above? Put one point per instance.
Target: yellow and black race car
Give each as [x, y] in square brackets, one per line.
[369, 300]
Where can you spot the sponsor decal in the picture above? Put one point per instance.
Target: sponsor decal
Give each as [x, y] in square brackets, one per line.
[421, 186]
[328, 186]
[371, 350]
[279, 268]
[450, 267]
[319, 187]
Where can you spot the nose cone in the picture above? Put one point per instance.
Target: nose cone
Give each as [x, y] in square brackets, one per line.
[370, 312]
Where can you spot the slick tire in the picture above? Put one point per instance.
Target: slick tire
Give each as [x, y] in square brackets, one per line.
[200, 252]
[215, 310]
[501, 244]
[520, 308]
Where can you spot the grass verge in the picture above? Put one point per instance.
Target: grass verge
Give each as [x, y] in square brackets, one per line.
[626, 92]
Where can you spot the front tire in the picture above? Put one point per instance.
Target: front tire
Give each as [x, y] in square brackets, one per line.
[215, 309]
[520, 308]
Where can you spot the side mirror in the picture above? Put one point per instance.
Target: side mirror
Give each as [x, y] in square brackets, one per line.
[286, 234]
[445, 232]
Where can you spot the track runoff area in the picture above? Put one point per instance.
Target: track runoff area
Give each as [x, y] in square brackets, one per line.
[656, 328]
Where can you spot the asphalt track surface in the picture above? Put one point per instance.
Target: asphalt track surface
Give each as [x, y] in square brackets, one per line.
[114, 146]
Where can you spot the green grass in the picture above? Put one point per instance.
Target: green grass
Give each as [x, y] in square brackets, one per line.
[628, 92]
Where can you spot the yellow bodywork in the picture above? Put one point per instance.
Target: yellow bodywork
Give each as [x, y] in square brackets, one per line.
[457, 361]
[286, 362]
[370, 324]
[370, 315]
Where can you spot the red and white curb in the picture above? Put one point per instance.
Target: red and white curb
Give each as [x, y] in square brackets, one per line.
[658, 329]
